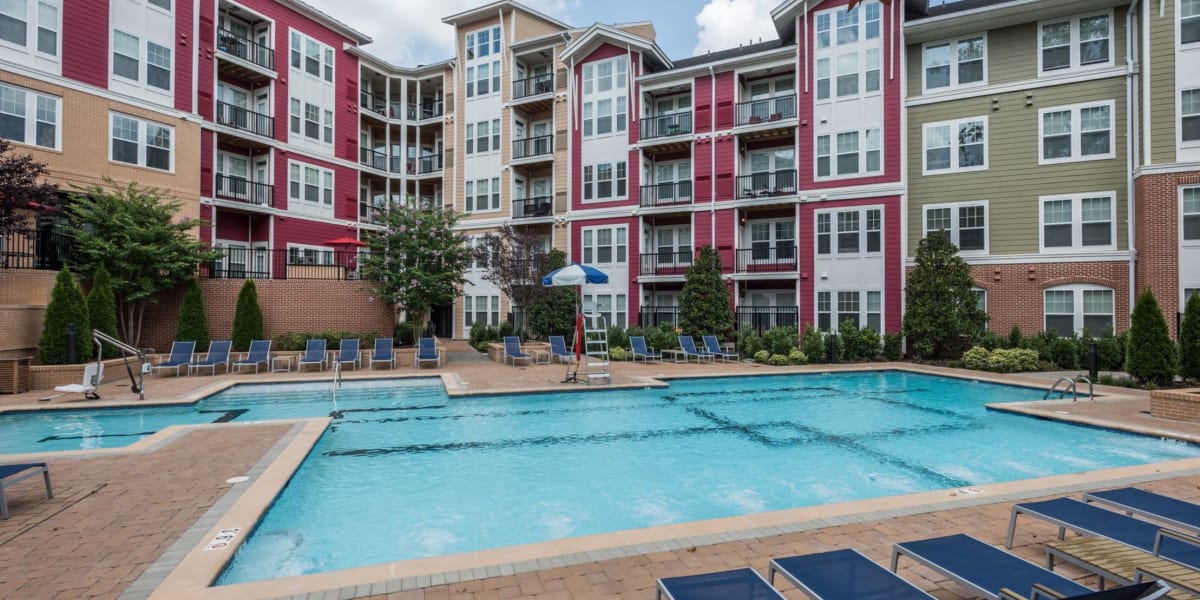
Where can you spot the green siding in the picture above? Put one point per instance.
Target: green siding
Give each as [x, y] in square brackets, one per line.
[1014, 181]
[1163, 121]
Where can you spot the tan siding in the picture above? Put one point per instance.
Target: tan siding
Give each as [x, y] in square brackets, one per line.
[645, 30]
[1014, 180]
[531, 26]
[1163, 121]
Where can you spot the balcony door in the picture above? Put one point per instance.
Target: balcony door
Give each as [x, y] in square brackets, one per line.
[772, 172]
[235, 171]
[673, 181]
[235, 26]
[541, 133]
[262, 175]
[674, 245]
[763, 94]
[772, 241]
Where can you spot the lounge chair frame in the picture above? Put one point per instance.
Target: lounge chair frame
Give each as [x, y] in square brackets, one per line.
[11, 474]
[511, 341]
[390, 353]
[251, 359]
[861, 561]
[177, 365]
[1130, 506]
[420, 357]
[688, 354]
[300, 361]
[714, 349]
[208, 363]
[664, 591]
[566, 357]
[341, 359]
[648, 355]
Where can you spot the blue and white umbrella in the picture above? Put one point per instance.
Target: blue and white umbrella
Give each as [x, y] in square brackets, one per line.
[574, 274]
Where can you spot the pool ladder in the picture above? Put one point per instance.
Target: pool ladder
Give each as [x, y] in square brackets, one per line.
[337, 375]
[1072, 387]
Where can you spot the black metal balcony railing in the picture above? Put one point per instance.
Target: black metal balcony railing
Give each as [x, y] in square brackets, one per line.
[665, 262]
[666, 125]
[41, 249]
[762, 318]
[653, 316]
[666, 194]
[373, 158]
[766, 110]
[373, 103]
[429, 164]
[248, 50]
[533, 207]
[290, 263]
[428, 109]
[534, 146]
[370, 212]
[396, 163]
[764, 258]
[245, 119]
[767, 184]
[244, 190]
[533, 86]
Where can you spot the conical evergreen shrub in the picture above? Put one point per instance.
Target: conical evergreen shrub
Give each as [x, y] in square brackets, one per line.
[704, 302]
[1149, 354]
[247, 318]
[193, 325]
[102, 308]
[66, 306]
[1189, 340]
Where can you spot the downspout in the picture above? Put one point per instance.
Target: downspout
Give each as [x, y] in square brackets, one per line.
[803, 40]
[712, 157]
[572, 127]
[1132, 68]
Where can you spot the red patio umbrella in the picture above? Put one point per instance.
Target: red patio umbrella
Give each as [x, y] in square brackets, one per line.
[344, 241]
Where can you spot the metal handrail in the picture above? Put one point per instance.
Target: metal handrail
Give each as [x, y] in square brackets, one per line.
[1091, 395]
[1070, 387]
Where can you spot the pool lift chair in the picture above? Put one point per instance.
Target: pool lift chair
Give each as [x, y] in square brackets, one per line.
[93, 375]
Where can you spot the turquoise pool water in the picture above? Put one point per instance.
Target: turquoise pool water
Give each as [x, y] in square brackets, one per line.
[406, 472]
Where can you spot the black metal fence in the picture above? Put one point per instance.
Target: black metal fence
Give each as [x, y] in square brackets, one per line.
[242, 190]
[653, 316]
[429, 164]
[534, 146]
[780, 257]
[762, 318]
[536, 206]
[666, 194]
[247, 50]
[245, 119]
[373, 158]
[35, 249]
[289, 263]
[767, 184]
[666, 125]
[373, 102]
[664, 262]
[533, 86]
[766, 110]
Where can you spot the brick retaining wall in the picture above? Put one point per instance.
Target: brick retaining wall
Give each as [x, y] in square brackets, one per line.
[1181, 405]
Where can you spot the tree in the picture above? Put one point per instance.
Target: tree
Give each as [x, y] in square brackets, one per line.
[553, 311]
[102, 308]
[247, 318]
[942, 314]
[1189, 339]
[515, 258]
[193, 325]
[704, 301]
[136, 233]
[1149, 353]
[66, 307]
[417, 261]
[21, 185]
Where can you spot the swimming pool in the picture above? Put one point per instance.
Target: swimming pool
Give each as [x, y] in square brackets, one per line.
[405, 472]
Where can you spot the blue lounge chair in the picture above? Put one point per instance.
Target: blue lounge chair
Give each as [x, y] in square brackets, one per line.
[314, 354]
[259, 354]
[638, 349]
[10, 474]
[181, 356]
[844, 575]
[1133, 501]
[513, 352]
[427, 352]
[348, 353]
[384, 353]
[1085, 519]
[218, 355]
[738, 584]
[983, 568]
[558, 350]
[687, 347]
[713, 347]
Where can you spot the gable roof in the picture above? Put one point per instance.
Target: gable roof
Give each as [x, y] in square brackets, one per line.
[598, 33]
[489, 10]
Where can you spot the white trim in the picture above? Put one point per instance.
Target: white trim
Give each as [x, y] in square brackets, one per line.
[1119, 256]
[833, 155]
[1077, 291]
[1076, 223]
[594, 229]
[141, 142]
[1180, 143]
[834, 253]
[1056, 79]
[954, 147]
[31, 120]
[1075, 42]
[1166, 168]
[682, 73]
[1182, 242]
[1077, 132]
[953, 65]
[955, 223]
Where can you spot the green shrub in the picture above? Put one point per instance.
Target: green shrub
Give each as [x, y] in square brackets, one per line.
[617, 338]
[1149, 353]
[66, 306]
[1001, 360]
[893, 344]
[941, 312]
[193, 325]
[1064, 352]
[482, 334]
[989, 340]
[1014, 337]
[813, 344]
[762, 356]
[797, 357]
[295, 341]
[976, 358]
[404, 334]
[102, 308]
[868, 344]
[662, 337]
[749, 342]
[617, 353]
[1110, 352]
[704, 300]
[781, 340]
[1189, 339]
[247, 318]
[507, 329]
[777, 360]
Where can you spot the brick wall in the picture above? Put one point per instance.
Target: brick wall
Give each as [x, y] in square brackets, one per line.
[1015, 291]
[1181, 405]
[1158, 238]
[24, 295]
[288, 305]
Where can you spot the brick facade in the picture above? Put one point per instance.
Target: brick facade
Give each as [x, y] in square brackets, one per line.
[1015, 291]
[1158, 238]
[23, 299]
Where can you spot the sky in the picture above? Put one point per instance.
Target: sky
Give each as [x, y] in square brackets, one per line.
[411, 32]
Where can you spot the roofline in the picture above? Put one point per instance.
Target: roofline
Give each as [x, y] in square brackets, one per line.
[621, 35]
[488, 9]
[430, 68]
[342, 28]
[669, 73]
[788, 10]
[539, 40]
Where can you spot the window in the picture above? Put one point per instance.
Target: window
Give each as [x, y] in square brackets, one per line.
[47, 32]
[125, 55]
[1079, 222]
[312, 121]
[158, 66]
[470, 82]
[871, 83]
[139, 142]
[1074, 133]
[14, 21]
[847, 80]
[604, 245]
[847, 26]
[1071, 309]
[311, 56]
[163, 4]
[874, 230]
[822, 156]
[822, 79]
[981, 302]
[956, 146]
[864, 309]
[1191, 214]
[873, 17]
[605, 181]
[954, 63]
[485, 309]
[848, 308]
[482, 143]
[310, 187]
[1075, 43]
[847, 153]
[495, 135]
[328, 129]
[28, 117]
[823, 30]
[1189, 114]
[823, 233]
[1189, 21]
[847, 239]
[482, 80]
[853, 157]
[858, 231]
[965, 224]
[483, 43]
[612, 306]
[824, 311]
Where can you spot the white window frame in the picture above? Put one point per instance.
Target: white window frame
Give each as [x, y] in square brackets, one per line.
[326, 60]
[590, 181]
[1077, 223]
[955, 146]
[956, 223]
[33, 22]
[473, 50]
[1195, 115]
[143, 129]
[954, 84]
[1074, 65]
[324, 176]
[1078, 313]
[864, 149]
[1179, 26]
[1182, 215]
[863, 231]
[1077, 132]
[590, 244]
[834, 313]
[31, 118]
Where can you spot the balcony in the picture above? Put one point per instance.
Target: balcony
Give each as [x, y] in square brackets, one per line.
[762, 318]
[429, 109]
[764, 258]
[373, 158]
[666, 194]
[533, 86]
[665, 262]
[533, 149]
[245, 119]
[533, 207]
[768, 184]
[37, 249]
[370, 212]
[430, 164]
[248, 50]
[767, 110]
[653, 316]
[373, 103]
[240, 189]
[664, 126]
[290, 263]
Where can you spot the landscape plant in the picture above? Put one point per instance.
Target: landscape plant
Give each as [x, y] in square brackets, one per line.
[781, 340]
[1149, 353]
[1189, 339]
[247, 318]
[893, 346]
[515, 259]
[796, 357]
[551, 311]
[813, 344]
[704, 301]
[193, 325]
[102, 309]
[762, 356]
[941, 313]
[22, 186]
[66, 307]
[749, 342]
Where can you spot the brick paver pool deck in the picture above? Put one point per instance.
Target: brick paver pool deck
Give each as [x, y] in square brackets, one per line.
[121, 519]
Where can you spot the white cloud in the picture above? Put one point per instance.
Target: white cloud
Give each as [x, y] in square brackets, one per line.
[727, 23]
[408, 32]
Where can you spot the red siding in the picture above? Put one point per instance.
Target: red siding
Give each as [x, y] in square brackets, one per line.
[184, 50]
[726, 221]
[633, 158]
[207, 168]
[233, 226]
[727, 154]
[702, 170]
[296, 230]
[206, 213]
[702, 100]
[726, 97]
[85, 42]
